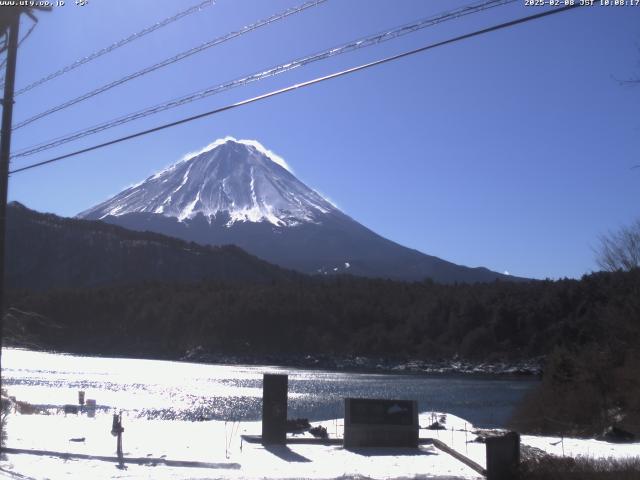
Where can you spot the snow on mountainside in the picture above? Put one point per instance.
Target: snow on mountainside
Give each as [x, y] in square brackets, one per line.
[238, 177]
[236, 192]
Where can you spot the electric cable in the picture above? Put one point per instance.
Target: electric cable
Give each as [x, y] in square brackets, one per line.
[170, 61]
[302, 85]
[33, 26]
[116, 45]
[277, 70]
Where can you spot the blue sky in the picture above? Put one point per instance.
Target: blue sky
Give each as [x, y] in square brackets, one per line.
[513, 150]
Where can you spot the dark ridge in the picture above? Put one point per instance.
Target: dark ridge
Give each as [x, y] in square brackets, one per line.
[45, 251]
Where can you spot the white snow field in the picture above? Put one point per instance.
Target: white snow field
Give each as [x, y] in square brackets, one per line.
[172, 430]
[215, 448]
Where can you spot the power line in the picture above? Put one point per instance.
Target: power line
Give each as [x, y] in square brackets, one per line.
[302, 85]
[5, 43]
[118, 44]
[277, 70]
[3, 47]
[33, 26]
[171, 60]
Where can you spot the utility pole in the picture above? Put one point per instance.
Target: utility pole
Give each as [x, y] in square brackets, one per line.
[9, 23]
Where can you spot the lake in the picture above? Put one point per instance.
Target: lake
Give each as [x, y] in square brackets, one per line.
[190, 391]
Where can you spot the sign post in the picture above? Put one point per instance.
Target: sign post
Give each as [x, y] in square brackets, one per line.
[380, 423]
[116, 431]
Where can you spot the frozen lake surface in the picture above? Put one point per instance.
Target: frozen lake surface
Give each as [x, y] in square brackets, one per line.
[155, 389]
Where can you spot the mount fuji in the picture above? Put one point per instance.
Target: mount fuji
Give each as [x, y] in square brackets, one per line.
[238, 192]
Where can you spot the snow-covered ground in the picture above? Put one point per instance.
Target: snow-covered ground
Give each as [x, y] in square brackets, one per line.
[580, 447]
[216, 450]
[166, 449]
[160, 401]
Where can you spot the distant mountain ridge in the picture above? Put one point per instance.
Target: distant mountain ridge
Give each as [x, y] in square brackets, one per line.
[238, 192]
[46, 251]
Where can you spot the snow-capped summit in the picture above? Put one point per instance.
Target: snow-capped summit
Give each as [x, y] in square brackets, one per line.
[238, 177]
[238, 192]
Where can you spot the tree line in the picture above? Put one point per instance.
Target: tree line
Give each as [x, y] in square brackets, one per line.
[343, 316]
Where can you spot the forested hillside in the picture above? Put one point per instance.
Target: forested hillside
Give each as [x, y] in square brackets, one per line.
[342, 315]
[47, 251]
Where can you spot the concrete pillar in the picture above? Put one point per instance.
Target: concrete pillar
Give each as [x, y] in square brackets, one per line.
[274, 409]
[503, 456]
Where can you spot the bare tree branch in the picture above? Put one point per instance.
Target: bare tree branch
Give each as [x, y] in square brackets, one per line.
[620, 250]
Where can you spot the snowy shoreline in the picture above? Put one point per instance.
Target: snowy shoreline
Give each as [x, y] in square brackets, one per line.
[362, 364]
[526, 368]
